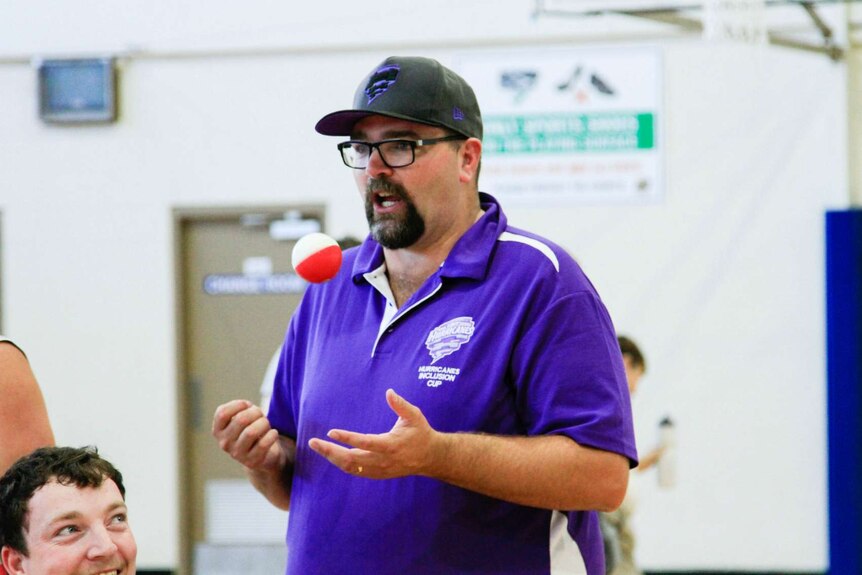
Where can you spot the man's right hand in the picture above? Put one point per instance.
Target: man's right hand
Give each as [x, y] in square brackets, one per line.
[244, 433]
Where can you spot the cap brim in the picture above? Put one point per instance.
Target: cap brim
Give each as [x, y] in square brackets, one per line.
[341, 123]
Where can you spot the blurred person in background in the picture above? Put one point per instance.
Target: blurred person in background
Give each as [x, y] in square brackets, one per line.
[616, 528]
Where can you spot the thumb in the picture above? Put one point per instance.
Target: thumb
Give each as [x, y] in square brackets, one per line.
[402, 408]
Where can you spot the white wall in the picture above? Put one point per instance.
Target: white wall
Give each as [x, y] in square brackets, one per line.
[854, 110]
[721, 283]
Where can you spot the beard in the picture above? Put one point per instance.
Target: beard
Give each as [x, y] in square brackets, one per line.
[393, 231]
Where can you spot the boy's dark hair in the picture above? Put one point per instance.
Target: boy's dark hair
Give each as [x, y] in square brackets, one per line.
[81, 467]
[630, 348]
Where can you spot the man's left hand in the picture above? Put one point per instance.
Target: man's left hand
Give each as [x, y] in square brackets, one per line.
[408, 448]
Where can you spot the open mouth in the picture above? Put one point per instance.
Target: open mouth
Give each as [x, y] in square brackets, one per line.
[386, 200]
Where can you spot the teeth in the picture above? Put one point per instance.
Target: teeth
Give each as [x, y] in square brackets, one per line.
[387, 203]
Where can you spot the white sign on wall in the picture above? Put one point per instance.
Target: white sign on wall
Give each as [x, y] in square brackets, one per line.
[569, 125]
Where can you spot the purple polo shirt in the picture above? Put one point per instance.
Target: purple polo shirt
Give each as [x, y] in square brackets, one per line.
[508, 337]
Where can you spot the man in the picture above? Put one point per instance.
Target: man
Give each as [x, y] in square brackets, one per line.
[24, 424]
[616, 525]
[457, 382]
[63, 512]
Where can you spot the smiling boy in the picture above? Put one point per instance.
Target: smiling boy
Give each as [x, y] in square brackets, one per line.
[63, 512]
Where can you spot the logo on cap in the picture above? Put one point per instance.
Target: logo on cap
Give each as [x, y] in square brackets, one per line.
[457, 114]
[380, 81]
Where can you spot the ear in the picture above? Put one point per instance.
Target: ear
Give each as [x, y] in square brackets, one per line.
[471, 153]
[13, 561]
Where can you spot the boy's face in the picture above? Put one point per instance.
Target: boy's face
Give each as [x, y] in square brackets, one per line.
[633, 373]
[75, 531]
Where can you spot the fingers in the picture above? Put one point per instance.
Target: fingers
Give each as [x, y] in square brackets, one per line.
[341, 457]
[243, 432]
[402, 408]
[250, 436]
[325, 448]
[225, 412]
[352, 461]
[401, 451]
[264, 451]
[358, 440]
[379, 455]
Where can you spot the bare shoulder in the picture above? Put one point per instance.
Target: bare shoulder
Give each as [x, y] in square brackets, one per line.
[13, 362]
[8, 349]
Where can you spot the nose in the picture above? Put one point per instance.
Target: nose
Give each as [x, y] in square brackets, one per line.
[376, 166]
[101, 543]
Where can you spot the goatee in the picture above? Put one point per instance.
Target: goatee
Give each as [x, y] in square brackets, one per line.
[392, 231]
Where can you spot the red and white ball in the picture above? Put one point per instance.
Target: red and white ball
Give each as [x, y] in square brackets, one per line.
[316, 257]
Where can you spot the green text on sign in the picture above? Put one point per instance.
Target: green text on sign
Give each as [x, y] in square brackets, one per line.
[550, 133]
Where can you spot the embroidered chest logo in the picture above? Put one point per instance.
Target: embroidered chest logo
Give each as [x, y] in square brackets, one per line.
[447, 338]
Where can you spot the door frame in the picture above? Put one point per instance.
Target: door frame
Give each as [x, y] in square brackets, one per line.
[181, 216]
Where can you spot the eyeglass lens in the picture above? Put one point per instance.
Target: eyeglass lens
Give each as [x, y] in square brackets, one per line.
[395, 154]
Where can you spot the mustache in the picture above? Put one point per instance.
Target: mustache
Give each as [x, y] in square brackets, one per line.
[383, 185]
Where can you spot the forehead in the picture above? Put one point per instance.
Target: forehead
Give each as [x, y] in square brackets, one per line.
[54, 500]
[386, 127]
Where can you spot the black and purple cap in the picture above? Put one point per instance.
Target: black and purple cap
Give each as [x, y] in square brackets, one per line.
[415, 89]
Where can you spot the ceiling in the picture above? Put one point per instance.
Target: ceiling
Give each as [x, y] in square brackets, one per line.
[829, 27]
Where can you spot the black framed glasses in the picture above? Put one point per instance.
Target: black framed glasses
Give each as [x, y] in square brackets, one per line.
[394, 153]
